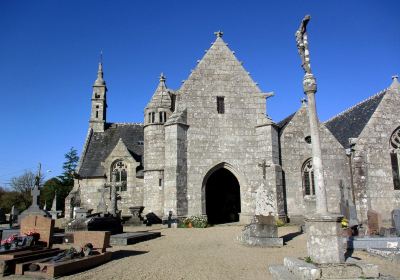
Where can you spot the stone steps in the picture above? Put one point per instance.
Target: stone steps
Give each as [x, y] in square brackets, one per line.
[295, 268]
[280, 272]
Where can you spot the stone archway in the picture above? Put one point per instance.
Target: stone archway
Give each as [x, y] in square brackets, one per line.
[222, 196]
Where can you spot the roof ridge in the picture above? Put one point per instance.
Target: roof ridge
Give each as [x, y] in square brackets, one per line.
[125, 123]
[355, 106]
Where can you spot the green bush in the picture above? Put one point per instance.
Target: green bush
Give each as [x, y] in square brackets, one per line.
[280, 223]
[195, 221]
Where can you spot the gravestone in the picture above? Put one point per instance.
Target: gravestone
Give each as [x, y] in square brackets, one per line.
[396, 220]
[262, 232]
[374, 222]
[13, 215]
[42, 225]
[34, 209]
[264, 200]
[80, 213]
[102, 206]
[54, 212]
[137, 218]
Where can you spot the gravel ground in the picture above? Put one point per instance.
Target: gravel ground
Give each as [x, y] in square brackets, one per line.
[211, 253]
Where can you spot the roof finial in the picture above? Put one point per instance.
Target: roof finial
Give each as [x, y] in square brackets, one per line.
[162, 77]
[395, 83]
[219, 34]
[100, 81]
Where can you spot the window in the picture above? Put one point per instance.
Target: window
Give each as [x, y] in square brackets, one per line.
[394, 157]
[97, 114]
[153, 117]
[119, 175]
[220, 105]
[162, 116]
[160, 182]
[149, 119]
[173, 101]
[307, 172]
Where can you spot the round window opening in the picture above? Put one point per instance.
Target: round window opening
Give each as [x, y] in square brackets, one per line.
[308, 139]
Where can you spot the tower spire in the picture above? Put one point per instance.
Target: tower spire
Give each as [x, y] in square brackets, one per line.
[99, 103]
[100, 81]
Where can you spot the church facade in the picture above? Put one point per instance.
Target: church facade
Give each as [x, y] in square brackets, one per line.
[209, 148]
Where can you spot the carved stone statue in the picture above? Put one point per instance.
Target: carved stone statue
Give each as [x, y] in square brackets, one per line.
[302, 44]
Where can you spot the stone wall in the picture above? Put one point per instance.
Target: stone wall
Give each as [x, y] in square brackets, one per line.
[295, 151]
[372, 165]
[90, 196]
[226, 139]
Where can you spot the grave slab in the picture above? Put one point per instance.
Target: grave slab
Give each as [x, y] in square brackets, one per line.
[362, 243]
[128, 238]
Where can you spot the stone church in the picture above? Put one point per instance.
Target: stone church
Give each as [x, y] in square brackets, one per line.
[209, 148]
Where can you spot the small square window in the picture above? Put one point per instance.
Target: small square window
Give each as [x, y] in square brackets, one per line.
[220, 105]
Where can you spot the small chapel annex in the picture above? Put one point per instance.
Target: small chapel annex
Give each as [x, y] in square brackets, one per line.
[209, 148]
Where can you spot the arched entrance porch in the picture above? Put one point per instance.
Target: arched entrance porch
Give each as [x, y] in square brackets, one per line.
[222, 196]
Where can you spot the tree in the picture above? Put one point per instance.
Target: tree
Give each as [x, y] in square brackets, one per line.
[50, 188]
[71, 162]
[23, 185]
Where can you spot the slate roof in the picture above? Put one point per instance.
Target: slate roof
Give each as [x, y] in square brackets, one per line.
[350, 123]
[101, 144]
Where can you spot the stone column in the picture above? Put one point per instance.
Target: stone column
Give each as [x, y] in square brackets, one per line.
[324, 242]
[310, 88]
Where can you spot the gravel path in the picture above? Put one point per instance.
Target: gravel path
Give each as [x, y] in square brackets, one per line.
[211, 253]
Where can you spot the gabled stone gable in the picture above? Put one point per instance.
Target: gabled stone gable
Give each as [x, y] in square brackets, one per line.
[295, 151]
[373, 181]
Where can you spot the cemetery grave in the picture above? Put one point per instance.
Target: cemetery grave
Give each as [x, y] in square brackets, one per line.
[80, 256]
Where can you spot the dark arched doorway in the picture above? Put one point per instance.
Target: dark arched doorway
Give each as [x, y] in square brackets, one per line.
[222, 197]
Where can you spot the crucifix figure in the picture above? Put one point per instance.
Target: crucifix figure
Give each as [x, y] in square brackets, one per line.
[302, 44]
[114, 195]
[264, 166]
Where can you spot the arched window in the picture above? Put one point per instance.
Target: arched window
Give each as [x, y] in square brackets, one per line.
[119, 174]
[394, 157]
[307, 173]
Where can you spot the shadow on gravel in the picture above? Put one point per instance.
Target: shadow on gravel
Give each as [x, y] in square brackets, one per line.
[126, 253]
[290, 236]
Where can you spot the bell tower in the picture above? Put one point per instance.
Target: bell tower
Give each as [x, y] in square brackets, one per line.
[99, 102]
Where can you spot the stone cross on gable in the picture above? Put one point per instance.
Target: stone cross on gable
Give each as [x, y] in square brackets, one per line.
[219, 34]
[264, 166]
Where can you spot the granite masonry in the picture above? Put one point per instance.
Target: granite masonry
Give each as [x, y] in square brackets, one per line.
[209, 148]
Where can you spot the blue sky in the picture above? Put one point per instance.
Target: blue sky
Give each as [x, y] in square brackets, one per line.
[49, 52]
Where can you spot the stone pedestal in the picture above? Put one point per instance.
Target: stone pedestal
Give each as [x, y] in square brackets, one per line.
[262, 232]
[324, 241]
